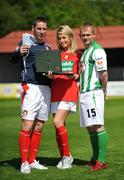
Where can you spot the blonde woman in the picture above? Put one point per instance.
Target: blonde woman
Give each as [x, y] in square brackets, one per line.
[64, 92]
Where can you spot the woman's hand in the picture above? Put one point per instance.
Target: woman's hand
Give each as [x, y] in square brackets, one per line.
[73, 76]
[76, 76]
[50, 75]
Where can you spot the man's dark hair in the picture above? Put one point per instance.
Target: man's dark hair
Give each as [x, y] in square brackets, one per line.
[39, 19]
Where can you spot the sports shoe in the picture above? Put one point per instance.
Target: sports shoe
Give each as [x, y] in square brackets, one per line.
[65, 162]
[59, 165]
[92, 162]
[98, 166]
[25, 168]
[36, 165]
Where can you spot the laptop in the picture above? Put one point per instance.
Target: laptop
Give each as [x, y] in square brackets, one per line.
[48, 60]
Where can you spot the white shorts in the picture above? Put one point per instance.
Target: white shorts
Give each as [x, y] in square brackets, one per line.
[91, 105]
[36, 102]
[70, 106]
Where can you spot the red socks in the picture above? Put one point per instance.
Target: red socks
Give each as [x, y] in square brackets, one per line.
[29, 145]
[62, 140]
[24, 143]
[34, 145]
[59, 144]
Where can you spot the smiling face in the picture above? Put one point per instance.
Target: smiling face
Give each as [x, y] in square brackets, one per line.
[66, 39]
[39, 31]
[63, 41]
[87, 35]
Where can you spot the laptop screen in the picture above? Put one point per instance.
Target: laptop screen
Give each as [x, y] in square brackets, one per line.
[48, 60]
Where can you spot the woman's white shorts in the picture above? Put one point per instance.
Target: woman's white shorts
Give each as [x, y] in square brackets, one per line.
[70, 106]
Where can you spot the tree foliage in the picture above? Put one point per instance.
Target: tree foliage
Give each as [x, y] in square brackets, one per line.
[19, 14]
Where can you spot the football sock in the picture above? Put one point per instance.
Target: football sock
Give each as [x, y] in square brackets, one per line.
[103, 142]
[34, 145]
[94, 144]
[63, 137]
[24, 143]
[59, 145]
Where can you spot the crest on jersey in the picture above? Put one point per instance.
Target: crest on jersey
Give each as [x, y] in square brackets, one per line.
[99, 64]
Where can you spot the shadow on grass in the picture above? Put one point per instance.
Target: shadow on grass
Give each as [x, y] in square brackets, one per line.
[11, 162]
[44, 160]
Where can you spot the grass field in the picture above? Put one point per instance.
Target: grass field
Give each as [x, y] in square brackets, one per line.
[10, 124]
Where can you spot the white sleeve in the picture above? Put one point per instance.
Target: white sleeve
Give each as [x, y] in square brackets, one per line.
[100, 58]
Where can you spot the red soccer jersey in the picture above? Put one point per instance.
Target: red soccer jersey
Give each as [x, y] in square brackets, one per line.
[62, 87]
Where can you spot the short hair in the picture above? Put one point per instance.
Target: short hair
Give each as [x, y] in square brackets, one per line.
[88, 24]
[39, 19]
[67, 31]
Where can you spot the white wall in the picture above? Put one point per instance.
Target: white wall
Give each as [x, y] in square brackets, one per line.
[115, 88]
[12, 90]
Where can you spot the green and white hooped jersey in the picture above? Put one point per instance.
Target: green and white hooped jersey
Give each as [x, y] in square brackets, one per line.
[93, 61]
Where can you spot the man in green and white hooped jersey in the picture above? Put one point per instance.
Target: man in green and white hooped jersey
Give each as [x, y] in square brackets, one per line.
[93, 84]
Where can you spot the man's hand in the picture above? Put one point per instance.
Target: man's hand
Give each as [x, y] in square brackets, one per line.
[24, 50]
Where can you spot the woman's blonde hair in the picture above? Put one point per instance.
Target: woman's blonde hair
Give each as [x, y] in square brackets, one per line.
[67, 31]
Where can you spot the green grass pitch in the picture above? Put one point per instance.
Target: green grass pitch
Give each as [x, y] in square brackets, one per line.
[10, 124]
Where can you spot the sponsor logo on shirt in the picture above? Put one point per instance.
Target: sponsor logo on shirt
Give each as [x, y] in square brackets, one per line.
[67, 66]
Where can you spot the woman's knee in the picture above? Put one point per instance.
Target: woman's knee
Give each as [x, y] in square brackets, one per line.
[58, 123]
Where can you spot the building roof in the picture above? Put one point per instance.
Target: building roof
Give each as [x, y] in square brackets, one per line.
[108, 37]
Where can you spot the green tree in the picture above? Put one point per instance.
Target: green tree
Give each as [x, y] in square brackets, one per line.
[19, 14]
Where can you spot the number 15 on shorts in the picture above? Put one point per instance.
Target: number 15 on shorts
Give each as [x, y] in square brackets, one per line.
[91, 113]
